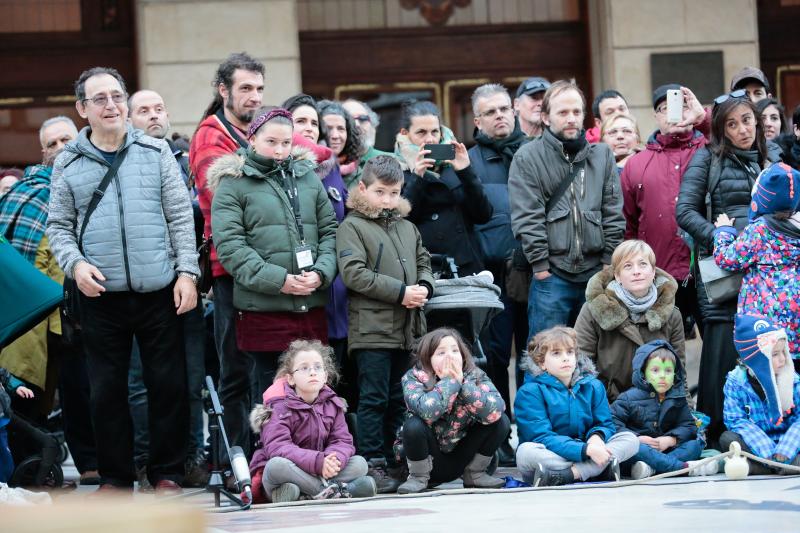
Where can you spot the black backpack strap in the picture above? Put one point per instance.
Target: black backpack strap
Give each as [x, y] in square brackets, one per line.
[231, 130]
[562, 188]
[98, 193]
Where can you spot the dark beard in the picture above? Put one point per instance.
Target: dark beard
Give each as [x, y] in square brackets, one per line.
[245, 117]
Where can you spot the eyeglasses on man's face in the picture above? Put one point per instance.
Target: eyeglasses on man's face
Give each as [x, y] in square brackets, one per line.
[101, 100]
[491, 113]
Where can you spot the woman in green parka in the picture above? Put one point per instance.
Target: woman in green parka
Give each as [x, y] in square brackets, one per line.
[275, 233]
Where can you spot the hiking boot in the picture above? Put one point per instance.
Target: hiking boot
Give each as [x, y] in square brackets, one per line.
[475, 474]
[708, 469]
[610, 472]
[419, 474]
[544, 477]
[142, 481]
[641, 470]
[385, 479]
[197, 473]
[287, 492]
[360, 487]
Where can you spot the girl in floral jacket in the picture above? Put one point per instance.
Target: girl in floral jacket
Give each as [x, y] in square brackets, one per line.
[768, 251]
[455, 420]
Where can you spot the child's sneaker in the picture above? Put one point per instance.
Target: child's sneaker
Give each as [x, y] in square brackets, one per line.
[287, 492]
[611, 471]
[384, 480]
[360, 487]
[331, 491]
[708, 469]
[641, 470]
[544, 477]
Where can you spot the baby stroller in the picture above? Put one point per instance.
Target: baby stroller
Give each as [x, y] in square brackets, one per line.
[465, 304]
[26, 297]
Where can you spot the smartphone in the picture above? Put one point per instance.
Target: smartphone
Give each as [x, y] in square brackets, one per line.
[440, 152]
[674, 106]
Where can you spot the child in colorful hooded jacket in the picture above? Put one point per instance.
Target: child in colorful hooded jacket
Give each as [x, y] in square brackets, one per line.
[563, 419]
[656, 410]
[455, 420]
[768, 250]
[8, 384]
[762, 395]
[305, 446]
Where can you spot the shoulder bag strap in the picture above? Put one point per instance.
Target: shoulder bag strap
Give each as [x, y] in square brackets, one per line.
[231, 130]
[98, 193]
[562, 189]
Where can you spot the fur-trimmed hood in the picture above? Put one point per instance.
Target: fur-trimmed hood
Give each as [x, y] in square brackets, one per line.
[358, 203]
[584, 367]
[281, 391]
[232, 165]
[610, 313]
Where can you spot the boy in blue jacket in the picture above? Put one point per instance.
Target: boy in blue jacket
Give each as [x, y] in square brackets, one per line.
[563, 419]
[655, 409]
[762, 396]
[8, 384]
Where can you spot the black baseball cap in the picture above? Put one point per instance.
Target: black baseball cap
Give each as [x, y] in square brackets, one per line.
[660, 94]
[746, 75]
[532, 86]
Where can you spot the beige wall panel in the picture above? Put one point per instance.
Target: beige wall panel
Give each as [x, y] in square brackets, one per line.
[642, 22]
[723, 21]
[172, 32]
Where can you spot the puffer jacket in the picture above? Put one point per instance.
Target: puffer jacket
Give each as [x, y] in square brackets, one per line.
[256, 233]
[651, 181]
[450, 407]
[379, 254]
[581, 231]
[639, 410]
[563, 418]
[610, 338]
[142, 231]
[446, 210]
[731, 196]
[301, 432]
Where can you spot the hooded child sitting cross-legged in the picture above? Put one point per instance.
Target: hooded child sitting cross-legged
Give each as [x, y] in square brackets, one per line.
[656, 410]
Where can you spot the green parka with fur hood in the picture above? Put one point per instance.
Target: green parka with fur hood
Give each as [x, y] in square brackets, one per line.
[255, 232]
[379, 254]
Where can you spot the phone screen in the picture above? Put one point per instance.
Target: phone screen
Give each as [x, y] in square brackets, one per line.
[440, 152]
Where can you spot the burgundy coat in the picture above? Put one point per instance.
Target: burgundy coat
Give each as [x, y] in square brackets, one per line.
[304, 433]
[651, 181]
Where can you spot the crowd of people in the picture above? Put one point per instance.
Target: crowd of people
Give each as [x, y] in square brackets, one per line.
[286, 256]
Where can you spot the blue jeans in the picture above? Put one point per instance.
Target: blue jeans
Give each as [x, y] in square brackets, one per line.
[669, 461]
[6, 461]
[554, 302]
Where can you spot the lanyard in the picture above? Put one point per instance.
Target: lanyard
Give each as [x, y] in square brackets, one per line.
[290, 187]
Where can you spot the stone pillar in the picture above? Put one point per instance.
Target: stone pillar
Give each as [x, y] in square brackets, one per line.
[624, 33]
[181, 43]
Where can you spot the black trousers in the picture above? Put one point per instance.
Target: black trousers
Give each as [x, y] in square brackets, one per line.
[237, 384]
[717, 358]
[74, 395]
[419, 441]
[109, 323]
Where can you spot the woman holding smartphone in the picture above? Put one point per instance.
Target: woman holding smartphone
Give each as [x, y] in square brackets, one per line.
[724, 172]
[447, 198]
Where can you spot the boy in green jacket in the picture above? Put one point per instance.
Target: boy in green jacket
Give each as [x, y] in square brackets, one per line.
[388, 275]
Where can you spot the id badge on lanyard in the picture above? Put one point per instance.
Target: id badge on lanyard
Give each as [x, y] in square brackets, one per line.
[303, 256]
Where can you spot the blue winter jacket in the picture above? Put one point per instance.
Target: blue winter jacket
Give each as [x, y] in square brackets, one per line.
[638, 410]
[563, 418]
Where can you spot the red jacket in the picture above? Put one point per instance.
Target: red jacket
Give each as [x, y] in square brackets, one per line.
[651, 181]
[210, 141]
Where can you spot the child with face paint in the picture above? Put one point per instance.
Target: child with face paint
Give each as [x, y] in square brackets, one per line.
[656, 410]
[762, 395]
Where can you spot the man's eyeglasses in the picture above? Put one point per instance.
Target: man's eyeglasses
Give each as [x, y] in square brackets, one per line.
[361, 118]
[101, 100]
[306, 370]
[738, 94]
[491, 113]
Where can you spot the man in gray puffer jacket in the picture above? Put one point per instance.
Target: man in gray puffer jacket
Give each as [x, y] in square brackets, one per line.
[135, 269]
[566, 209]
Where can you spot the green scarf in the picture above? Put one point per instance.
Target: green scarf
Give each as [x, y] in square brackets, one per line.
[406, 151]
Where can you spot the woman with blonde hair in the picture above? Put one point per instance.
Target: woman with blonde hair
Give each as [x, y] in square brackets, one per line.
[621, 134]
[628, 305]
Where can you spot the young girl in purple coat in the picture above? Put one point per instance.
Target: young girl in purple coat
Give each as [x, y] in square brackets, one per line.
[305, 446]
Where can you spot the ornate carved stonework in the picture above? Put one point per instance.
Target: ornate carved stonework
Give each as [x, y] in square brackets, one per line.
[436, 12]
